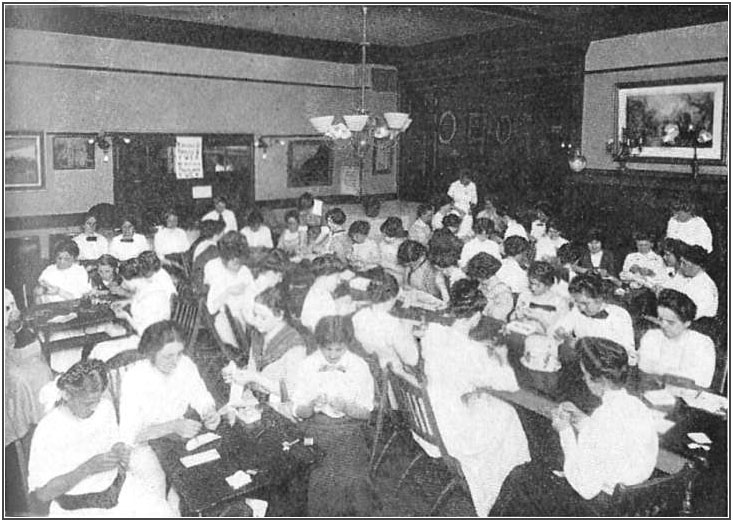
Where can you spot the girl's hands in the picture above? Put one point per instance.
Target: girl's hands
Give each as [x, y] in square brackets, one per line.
[186, 428]
[211, 419]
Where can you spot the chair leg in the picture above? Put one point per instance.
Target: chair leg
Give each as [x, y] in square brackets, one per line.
[443, 494]
[378, 430]
[409, 468]
[391, 439]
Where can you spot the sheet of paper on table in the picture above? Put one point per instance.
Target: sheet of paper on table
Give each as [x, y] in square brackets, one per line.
[200, 458]
[659, 397]
[715, 404]
[63, 318]
[200, 440]
[238, 479]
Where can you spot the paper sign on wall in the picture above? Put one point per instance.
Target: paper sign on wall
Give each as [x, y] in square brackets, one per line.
[350, 180]
[201, 191]
[188, 157]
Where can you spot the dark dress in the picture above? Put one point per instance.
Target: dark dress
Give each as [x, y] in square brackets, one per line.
[607, 262]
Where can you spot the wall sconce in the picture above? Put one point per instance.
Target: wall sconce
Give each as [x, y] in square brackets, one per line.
[104, 143]
[261, 144]
[265, 142]
[576, 160]
[701, 137]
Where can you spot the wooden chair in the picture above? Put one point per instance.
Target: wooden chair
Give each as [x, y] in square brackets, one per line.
[414, 403]
[670, 495]
[186, 313]
[231, 352]
[241, 334]
[118, 366]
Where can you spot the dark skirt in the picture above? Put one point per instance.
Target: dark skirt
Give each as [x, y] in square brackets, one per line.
[340, 485]
[533, 490]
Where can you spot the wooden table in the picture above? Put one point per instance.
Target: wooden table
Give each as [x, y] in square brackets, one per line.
[88, 315]
[541, 393]
[203, 488]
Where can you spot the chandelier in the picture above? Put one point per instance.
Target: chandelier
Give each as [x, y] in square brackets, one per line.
[362, 130]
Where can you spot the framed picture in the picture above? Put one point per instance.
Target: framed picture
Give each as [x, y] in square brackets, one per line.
[73, 152]
[446, 127]
[310, 163]
[383, 160]
[23, 160]
[673, 120]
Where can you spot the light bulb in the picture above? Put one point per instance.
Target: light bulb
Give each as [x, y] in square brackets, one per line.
[106, 158]
[264, 155]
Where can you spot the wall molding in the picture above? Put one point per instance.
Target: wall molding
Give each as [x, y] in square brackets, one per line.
[651, 179]
[657, 65]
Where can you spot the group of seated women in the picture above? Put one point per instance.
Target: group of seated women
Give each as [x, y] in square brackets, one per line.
[316, 363]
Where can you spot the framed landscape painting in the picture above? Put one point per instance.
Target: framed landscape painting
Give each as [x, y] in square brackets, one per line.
[674, 120]
[23, 160]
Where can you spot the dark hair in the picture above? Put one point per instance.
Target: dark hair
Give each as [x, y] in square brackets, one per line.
[372, 206]
[422, 208]
[569, 253]
[503, 209]
[326, 265]
[694, 254]
[68, 246]
[231, 245]
[169, 212]
[220, 199]
[305, 201]
[130, 269]
[553, 223]
[392, 227]
[685, 203]
[255, 218]
[595, 234]
[276, 299]
[211, 227]
[276, 260]
[543, 272]
[451, 220]
[465, 171]
[465, 298]
[382, 287]
[149, 262]
[359, 227]
[543, 206]
[483, 226]
[672, 245]
[515, 245]
[129, 218]
[441, 200]
[603, 358]
[336, 215]
[444, 249]
[643, 235]
[108, 260]
[410, 251]
[482, 266]
[157, 335]
[590, 284]
[88, 376]
[334, 329]
[292, 214]
[679, 303]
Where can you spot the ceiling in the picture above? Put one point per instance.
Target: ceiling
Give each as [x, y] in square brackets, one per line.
[411, 25]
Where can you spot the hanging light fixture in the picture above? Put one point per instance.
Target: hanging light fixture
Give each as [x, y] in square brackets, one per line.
[362, 130]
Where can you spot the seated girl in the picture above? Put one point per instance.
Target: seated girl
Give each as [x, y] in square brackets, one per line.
[499, 299]
[688, 227]
[484, 433]
[311, 211]
[204, 249]
[393, 234]
[420, 274]
[91, 244]
[548, 244]
[538, 227]
[277, 349]
[364, 251]
[674, 349]
[483, 229]
[155, 395]
[513, 270]
[444, 206]
[616, 444]
[227, 279]
[540, 306]
[320, 300]
[644, 267]
[512, 227]
[444, 251]
[596, 259]
[170, 239]
[334, 394]
[129, 244]
[150, 268]
[105, 279]
[420, 230]
[292, 240]
[65, 279]
[489, 212]
[381, 333]
[78, 459]
[258, 235]
[337, 241]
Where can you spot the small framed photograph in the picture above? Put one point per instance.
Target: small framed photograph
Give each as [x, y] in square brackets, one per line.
[24, 161]
[674, 120]
[73, 152]
[383, 160]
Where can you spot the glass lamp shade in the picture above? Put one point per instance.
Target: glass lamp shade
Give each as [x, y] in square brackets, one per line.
[577, 161]
[396, 120]
[321, 123]
[356, 122]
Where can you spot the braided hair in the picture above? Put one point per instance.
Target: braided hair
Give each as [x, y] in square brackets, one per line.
[603, 358]
[90, 376]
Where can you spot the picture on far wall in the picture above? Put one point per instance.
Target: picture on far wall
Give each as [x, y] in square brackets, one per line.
[674, 120]
[73, 152]
[310, 163]
[383, 159]
[23, 160]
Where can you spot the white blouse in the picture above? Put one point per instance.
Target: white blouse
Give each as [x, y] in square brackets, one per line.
[690, 355]
[651, 261]
[90, 250]
[513, 275]
[230, 220]
[701, 289]
[170, 241]
[617, 444]
[260, 239]
[349, 379]
[123, 250]
[463, 195]
[617, 327]
[385, 335]
[74, 280]
[219, 279]
[475, 246]
[694, 231]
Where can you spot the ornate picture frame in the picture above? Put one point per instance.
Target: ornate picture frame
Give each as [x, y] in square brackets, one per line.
[24, 161]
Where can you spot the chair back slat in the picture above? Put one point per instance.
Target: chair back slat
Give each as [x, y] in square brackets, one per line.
[117, 367]
[231, 352]
[186, 314]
